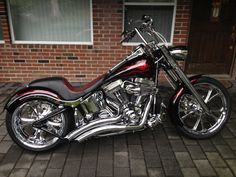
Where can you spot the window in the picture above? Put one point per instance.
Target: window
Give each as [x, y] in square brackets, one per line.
[51, 21]
[161, 11]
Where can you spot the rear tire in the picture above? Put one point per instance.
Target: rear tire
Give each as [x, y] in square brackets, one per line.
[19, 125]
[190, 118]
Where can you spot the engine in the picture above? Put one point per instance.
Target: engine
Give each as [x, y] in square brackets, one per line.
[119, 97]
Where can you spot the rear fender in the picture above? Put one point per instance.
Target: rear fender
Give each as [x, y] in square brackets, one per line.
[27, 93]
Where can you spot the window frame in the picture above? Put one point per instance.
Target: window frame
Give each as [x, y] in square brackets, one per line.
[14, 41]
[174, 4]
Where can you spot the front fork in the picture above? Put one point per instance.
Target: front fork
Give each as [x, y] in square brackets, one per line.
[184, 78]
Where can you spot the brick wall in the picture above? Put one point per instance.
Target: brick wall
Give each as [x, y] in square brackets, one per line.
[78, 63]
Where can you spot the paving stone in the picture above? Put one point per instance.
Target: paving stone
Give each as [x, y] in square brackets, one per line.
[188, 141]
[37, 169]
[62, 148]
[9, 160]
[166, 152]
[52, 172]
[75, 151]
[204, 168]
[57, 160]
[5, 146]
[184, 159]
[224, 172]
[155, 172]
[105, 151]
[177, 145]
[121, 172]
[1, 157]
[3, 130]
[232, 126]
[137, 167]
[18, 173]
[121, 159]
[171, 167]
[232, 165]
[120, 144]
[172, 133]
[161, 139]
[1, 137]
[149, 145]
[88, 162]
[147, 134]
[90, 150]
[25, 160]
[215, 159]
[232, 143]
[135, 151]
[2, 117]
[187, 172]
[106, 140]
[225, 151]
[218, 140]
[158, 131]
[43, 156]
[91, 147]
[226, 133]
[104, 167]
[207, 145]
[71, 168]
[87, 172]
[152, 159]
[196, 152]
[7, 138]
[134, 139]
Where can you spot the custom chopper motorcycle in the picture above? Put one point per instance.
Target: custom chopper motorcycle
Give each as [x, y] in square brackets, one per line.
[125, 99]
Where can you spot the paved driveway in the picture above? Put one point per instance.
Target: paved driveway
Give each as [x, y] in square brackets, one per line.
[161, 152]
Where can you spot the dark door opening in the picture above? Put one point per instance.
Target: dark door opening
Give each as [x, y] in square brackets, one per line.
[212, 37]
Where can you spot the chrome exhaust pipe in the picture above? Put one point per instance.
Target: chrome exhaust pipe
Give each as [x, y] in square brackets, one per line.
[77, 132]
[115, 128]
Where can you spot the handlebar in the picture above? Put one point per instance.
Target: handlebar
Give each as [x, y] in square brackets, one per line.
[145, 27]
[146, 22]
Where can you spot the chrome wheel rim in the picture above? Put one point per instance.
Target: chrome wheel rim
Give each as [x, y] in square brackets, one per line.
[26, 114]
[192, 116]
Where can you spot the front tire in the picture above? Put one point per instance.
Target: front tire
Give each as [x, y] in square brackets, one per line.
[19, 125]
[190, 118]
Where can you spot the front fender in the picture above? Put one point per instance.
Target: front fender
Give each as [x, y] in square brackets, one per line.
[29, 93]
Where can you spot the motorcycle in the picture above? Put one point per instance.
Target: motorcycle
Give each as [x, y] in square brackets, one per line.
[126, 99]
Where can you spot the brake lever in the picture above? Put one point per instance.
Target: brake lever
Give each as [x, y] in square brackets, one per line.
[128, 36]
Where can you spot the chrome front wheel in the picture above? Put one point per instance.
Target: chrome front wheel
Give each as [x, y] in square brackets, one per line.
[193, 121]
[19, 125]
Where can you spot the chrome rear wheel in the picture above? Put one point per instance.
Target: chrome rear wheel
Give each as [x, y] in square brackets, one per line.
[29, 137]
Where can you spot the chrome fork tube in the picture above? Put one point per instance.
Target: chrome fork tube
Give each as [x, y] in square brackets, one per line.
[184, 78]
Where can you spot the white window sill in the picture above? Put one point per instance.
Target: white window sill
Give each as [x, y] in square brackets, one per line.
[53, 42]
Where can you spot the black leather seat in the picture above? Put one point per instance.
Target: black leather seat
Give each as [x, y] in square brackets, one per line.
[65, 90]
